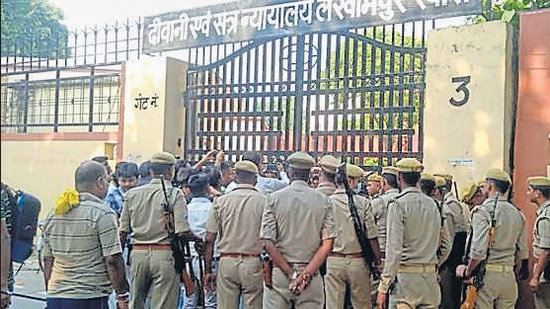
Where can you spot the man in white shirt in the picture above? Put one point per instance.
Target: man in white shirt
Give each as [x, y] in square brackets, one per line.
[266, 185]
[198, 210]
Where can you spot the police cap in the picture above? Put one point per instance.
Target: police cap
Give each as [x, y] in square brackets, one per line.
[409, 165]
[246, 166]
[301, 160]
[163, 158]
[329, 164]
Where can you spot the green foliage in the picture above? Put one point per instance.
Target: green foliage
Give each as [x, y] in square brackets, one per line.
[32, 27]
[509, 10]
[359, 76]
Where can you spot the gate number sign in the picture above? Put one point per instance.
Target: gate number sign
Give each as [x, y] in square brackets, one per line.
[463, 93]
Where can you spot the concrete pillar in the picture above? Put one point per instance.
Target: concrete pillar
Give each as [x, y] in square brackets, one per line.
[154, 115]
[469, 100]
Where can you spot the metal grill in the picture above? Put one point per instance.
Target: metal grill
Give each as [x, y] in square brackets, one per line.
[93, 46]
[71, 104]
[68, 83]
[357, 92]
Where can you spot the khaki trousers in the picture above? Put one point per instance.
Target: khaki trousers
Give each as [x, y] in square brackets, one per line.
[153, 274]
[414, 290]
[500, 291]
[279, 297]
[236, 276]
[342, 272]
[542, 298]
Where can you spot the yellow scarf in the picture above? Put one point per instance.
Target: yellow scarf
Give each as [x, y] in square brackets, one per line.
[66, 201]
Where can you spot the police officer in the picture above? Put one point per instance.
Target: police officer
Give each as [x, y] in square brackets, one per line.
[329, 167]
[298, 232]
[538, 192]
[390, 189]
[237, 217]
[458, 228]
[499, 250]
[373, 185]
[143, 213]
[345, 264]
[412, 242]
[471, 196]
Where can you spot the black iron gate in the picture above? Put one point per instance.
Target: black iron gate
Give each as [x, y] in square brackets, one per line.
[360, 92]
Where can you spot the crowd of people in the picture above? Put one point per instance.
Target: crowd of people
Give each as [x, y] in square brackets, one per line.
[300, 233]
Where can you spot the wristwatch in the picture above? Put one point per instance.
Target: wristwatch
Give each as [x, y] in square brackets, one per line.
[125, 297]
[294, 275]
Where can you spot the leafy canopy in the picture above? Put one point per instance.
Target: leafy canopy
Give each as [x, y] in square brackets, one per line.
[32, 27]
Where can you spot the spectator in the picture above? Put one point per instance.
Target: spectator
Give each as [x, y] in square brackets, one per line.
[127, 175]
[228, 176]
[7, 213]
[104, 160]
[5, 298]
[82, 252]
[266, 185]
[198, 208]
[144, 173]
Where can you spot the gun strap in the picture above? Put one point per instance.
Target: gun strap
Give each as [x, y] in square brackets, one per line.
[469, 244]
[166, 206]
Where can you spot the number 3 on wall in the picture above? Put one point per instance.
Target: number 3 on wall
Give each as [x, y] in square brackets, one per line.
[462, 87]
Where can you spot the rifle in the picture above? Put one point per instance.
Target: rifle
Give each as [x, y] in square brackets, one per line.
[195, 281]
[476, 282]
[366, 249]
[175, 243]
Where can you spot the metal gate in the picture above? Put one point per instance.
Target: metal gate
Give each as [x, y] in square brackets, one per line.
[359, 92]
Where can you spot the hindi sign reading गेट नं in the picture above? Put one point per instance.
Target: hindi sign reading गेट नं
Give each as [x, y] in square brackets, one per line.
[253, 19]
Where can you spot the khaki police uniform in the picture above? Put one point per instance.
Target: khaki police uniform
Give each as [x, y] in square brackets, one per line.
[237, 217]
[325, 187]
[541, 241]
[380, 212]
[414, 225]
[329, 164]
[152, 262]
[345, 265]
[500, 289]
[297, 218]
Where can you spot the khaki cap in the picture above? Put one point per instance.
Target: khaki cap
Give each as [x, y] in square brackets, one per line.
[329, 164]
[439, 181]
[480, 183]
[353, 170]
[426, 176]
[246, 166]
[374, 177]
[389, 170]
[301, 160]
[409, 165]
[498, 174]
[163, 158]
[538, 181]
[447, 177]
[468, 191]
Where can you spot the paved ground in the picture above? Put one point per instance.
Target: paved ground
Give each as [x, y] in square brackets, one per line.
[29, 282]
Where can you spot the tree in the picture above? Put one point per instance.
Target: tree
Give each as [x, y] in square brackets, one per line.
[32, 28]
[390, 60]
[508, 10]
[380, 73]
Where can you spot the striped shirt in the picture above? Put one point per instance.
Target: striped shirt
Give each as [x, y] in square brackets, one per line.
[78, 241]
